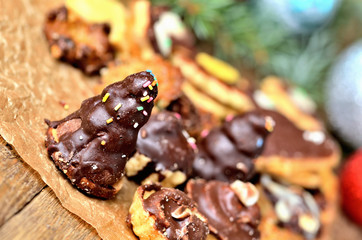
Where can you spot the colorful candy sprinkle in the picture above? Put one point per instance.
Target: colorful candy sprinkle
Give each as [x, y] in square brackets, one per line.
[109, 120]
[105, 97]
[150, 100]
[150, 87]
[103, 143]
[66, 106]
[55, 135]
[148, 71]
[146, 84]
[204, 133]
[177, 115]
[119, 105]
[229, 117]
[269, 124]
[145, 113]
[154, 83]
[135, 125]
[140, 108]
[145, 98]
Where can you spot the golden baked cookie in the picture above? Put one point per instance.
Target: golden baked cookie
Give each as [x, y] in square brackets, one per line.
[210, 84]
[289, 101]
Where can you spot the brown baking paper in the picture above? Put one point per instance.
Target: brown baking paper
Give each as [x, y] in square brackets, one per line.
[31, 86]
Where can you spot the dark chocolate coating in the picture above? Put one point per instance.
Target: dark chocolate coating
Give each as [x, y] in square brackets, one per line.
[191, 118]
[97, 151]
[162, 203]
[227, 152]
[228, 218]
[85, 46]
[163, 140]
[287, 140]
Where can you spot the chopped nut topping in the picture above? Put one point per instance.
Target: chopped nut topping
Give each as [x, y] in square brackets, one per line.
[246, 192]
[308, 223]
[282, 211]
[181, 213]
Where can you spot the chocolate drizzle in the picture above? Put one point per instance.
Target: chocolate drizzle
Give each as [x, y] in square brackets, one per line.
[226, 153]
[228, 218]
[289, 141]
[92, 145]
[165, 142]
[175, 214]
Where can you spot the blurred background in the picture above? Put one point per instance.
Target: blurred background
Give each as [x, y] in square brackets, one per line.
[313, 44]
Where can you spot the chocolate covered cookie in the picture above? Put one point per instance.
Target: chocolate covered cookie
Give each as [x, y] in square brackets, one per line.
[92, 145]
[226, 153]
[296, 155]
[194, 120]
[231, 210]
[83, 45]
[165, 213]
[165, 151]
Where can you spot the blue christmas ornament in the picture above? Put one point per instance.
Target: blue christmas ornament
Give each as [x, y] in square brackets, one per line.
[301, 16]
[344, 95]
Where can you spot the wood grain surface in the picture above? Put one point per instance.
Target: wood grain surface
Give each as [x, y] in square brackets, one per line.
[30, 210]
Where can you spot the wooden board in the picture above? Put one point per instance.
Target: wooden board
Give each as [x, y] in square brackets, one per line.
[29, 209]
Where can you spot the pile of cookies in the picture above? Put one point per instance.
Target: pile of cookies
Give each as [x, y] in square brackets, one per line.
[215, 156]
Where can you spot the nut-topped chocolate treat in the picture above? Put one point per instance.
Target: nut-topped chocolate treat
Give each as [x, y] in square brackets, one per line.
[92, 145]
[165, 213]
[226, 153]
[296, 210]
[85, 46]
[296, 155]
[231, 210]
[165, 152]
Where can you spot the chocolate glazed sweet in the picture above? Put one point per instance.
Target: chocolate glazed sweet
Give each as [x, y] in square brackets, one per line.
[289, 141]
[226, 153]
[175, 214]
[228, 218]
[92, 145]
[85, 46]
[165, 142]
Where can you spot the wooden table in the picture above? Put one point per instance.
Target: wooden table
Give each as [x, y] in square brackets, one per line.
[30, 210]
